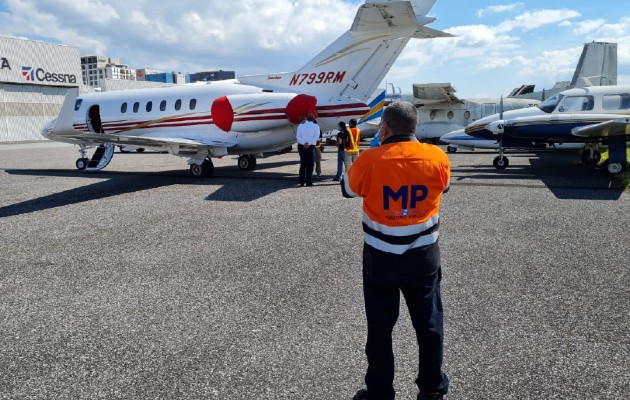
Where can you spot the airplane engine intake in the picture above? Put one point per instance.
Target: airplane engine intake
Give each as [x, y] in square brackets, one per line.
[260, 111]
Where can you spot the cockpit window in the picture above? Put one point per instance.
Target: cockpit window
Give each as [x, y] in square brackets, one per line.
[77, 104]
[576, 103]
[550, 104]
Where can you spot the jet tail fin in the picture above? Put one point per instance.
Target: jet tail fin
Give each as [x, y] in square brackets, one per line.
[354, 65]
[597, 65]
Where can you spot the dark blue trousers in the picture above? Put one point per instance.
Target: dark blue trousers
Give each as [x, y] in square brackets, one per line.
[418, 277]
[340, 156]
[307, 161]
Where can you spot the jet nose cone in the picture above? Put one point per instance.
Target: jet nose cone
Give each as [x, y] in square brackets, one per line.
[47, 129]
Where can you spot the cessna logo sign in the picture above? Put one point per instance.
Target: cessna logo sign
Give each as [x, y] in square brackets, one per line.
[40, 75]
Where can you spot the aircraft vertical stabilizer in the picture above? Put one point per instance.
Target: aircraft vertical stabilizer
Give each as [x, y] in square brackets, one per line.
[354, 65]
[597, 65]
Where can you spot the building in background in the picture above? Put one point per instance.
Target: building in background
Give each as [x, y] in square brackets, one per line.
[142, 72]
[95, 68]
[35, 76]
[34, 79]
[211, 76]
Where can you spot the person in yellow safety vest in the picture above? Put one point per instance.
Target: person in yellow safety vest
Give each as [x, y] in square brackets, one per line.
[351, 152]
[401, 183]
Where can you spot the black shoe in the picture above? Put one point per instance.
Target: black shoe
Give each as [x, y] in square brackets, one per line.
[336, 180]
[309, 184]
[361, 395]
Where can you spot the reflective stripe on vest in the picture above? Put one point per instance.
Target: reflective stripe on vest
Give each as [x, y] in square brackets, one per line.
[399, 239]
[354, 136]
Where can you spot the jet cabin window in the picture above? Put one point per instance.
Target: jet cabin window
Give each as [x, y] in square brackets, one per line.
[193, 104]
[136, 107]
[163, 105]
[149, 106]
[178, 105]
[123, 108]
[616, 101]
[576, 103]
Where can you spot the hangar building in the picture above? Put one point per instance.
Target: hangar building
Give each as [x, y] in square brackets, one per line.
[34, 78]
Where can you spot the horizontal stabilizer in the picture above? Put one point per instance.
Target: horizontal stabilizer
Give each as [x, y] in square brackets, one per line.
[424, 32]
[432, 93]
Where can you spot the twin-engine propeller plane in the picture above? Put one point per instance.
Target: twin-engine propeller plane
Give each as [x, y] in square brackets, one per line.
[590, 115]
[252, 114]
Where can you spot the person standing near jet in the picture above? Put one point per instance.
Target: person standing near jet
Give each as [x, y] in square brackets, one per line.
[307, 135]
[342, 139]
[401, 183]
[352, 147]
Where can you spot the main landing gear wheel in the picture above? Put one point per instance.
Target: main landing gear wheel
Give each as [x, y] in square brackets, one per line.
[591, 156]
[614, 168]
[500, 162]
[82, 163]
[203, 170]
[451, 149]
[246, 162]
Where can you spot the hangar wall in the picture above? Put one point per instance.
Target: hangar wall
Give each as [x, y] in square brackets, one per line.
[34, 78]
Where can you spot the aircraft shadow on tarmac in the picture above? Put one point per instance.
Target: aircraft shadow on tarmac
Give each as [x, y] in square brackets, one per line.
[559, 172]
[235, 185]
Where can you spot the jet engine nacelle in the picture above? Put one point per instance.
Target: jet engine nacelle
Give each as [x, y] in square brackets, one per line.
[261, 111]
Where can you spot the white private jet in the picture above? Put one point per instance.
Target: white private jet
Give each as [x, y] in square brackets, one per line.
[252, 114]
[590, 115]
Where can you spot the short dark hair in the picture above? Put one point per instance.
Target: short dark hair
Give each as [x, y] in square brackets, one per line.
[401, 117]
[352, 122]
[310, 117]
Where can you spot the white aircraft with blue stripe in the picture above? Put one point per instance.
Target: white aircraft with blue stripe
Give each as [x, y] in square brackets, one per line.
[589, 115]
[459, 139]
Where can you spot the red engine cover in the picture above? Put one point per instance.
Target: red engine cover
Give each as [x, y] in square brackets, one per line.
[300, 106]
[222, 113]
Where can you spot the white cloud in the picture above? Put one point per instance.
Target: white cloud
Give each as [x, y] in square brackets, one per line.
[536, 19]
[498, 9]
[254, 35]
[587, 26]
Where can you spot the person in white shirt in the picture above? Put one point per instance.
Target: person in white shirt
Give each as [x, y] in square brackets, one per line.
[307, 137]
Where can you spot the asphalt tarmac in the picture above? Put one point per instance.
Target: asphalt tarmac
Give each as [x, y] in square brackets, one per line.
[141, 282]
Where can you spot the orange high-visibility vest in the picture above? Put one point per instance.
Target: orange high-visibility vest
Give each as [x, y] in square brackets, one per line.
[354, 139]
[401, 183]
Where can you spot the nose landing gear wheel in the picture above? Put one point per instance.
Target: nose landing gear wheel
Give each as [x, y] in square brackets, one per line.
[82, 163]
[500, 162]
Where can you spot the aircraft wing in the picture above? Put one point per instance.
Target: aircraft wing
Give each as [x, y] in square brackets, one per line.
[614, 127]
[432, 93]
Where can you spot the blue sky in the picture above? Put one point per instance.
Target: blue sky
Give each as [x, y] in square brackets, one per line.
[499, 45]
